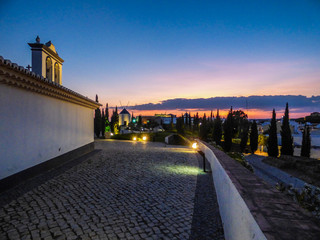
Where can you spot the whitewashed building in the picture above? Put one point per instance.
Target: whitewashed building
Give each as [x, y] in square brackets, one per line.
[124, 118]
[42, 123]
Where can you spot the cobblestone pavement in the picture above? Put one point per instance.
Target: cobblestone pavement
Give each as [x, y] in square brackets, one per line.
[206, 221]
[125, 191]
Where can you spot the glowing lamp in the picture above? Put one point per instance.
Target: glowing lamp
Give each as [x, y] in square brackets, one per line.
[111, 134]
[194, 145]
[134, 138]
[144, 138]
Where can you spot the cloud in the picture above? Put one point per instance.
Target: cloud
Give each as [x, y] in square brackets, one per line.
[297, 103]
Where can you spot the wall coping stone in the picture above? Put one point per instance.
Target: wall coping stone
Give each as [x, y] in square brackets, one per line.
[17, 76]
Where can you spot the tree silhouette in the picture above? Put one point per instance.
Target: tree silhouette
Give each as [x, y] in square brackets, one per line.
[203, 133]
[286, 137]
[97, 120]
[254, 137]
[273, 150]
[107, 123]
[306, 142]
[217, 129]
[115, 121]
[244, 138]
[103, 124]
[228, 131]
[196, 123]
[180, 125]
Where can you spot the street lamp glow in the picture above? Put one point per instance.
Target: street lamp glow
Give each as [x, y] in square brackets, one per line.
[144, 138]
[194, 145]
[134, 138]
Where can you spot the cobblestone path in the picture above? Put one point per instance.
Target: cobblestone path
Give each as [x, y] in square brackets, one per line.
[125, 191]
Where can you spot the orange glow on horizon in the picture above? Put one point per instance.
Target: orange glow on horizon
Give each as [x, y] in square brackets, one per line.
[252, 113]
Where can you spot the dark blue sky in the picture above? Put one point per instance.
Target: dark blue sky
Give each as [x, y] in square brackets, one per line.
[148, 51]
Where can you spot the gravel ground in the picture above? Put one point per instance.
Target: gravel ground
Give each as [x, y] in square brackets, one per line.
[126, 190]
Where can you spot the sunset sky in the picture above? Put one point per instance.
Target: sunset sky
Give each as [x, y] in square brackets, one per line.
[140, 52]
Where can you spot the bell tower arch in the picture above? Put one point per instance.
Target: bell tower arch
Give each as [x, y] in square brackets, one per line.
[46, 61]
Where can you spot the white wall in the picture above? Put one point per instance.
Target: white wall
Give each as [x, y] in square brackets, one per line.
[123, 118]
[238, 222]
[35, 128]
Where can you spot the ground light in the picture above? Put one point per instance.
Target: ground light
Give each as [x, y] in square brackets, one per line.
[194, 145]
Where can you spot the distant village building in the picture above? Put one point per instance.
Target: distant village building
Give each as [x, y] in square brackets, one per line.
[264, 127]
[165, 118]
[124, 118]
[42, 123]
[315, 114]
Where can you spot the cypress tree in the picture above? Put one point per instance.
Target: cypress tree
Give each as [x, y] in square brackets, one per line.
[286, 138]
[171, 123]
[112, 122]
[180, 126]
[186, 120]
[196, 123]
[103, 124]
[254, 137]
[97, 120]
[107, 112]
[273, 150]
[116, 122]
[306, 142]
[228, 131]
[244, 138]
[182, 120]
[217, 129]
[203, 133]
[107, 123]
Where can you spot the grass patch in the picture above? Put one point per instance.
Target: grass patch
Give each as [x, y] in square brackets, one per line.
[239, 157]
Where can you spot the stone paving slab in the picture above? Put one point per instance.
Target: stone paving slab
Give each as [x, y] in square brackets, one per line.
[126, 191]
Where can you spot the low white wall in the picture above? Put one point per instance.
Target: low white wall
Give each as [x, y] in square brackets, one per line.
[35, 128]
[238, 222]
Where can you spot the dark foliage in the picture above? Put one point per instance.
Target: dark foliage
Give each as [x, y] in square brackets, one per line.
[107, 112]
[228, 131]
[97, 120]
[180, 125]
[196, 122]
[306, 142]
[286, 137]
[312, 118]
[244, 138]
[273, 150]
[103, 124]
[217, 129]
[114, 124]
[189, 121]
[204, 128]
[254, 137]
[240, 122]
